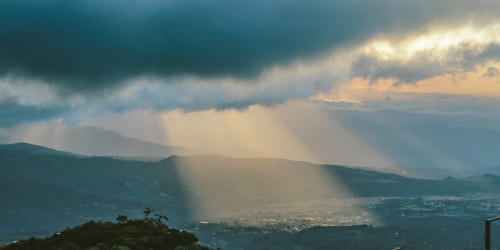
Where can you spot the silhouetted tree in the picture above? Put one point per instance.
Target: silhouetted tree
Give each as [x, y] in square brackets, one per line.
[122, 218]
[145, 233]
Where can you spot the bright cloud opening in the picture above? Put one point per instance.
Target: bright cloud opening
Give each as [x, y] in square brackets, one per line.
[437, 43]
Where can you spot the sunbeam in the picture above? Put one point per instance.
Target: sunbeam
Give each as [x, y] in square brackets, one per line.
[221, 188]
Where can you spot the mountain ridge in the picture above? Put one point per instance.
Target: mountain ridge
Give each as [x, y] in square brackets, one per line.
[37, 149]
[90, 141]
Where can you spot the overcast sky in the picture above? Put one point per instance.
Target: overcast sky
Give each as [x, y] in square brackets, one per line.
[82, 62]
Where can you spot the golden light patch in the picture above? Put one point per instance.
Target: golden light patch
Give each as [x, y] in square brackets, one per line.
[436, 43]
[484, 81]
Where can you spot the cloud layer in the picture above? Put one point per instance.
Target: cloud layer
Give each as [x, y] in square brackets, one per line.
[459, 49]
[96, 56]
[93, 44]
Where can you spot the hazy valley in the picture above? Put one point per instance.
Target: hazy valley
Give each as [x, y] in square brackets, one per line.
[243, 202]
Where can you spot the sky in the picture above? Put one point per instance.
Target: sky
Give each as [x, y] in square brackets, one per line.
[231, 74]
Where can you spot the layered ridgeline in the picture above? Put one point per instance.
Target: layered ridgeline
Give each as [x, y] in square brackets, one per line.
[94, 141]
[413, 145]
[44, 191]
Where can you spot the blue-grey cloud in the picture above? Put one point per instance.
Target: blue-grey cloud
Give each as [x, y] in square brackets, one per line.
[491, 72]
[424, 65]
[158, 97]
[90, 45]
[12, 113]
[457, 110]
[197, 97]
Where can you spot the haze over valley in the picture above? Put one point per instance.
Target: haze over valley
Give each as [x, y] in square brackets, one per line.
[405, 143]
[49, 190]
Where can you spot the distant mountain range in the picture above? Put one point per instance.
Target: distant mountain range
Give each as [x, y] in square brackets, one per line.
[94, 141]
[407, 144]
[468, 120]
[45, 190]
[455, 151]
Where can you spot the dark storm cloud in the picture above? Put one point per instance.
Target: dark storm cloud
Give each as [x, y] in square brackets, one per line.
[88, 45]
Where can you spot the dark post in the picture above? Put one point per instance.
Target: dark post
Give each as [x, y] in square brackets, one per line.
[487, 223]
[487, 234]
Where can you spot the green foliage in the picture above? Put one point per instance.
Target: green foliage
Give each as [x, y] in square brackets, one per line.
[121, 218]
[146, 233]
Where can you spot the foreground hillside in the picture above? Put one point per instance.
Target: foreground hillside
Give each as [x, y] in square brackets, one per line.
[147, 233]
[46, 191]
